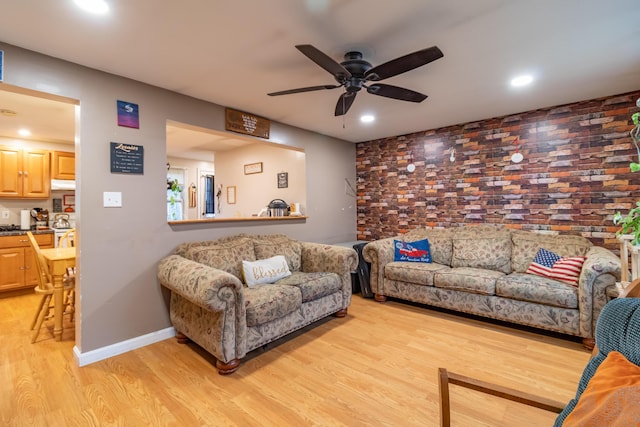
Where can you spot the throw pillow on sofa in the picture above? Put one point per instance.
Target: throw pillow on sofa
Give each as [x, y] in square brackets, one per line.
[263, 271]
[418, 251]
[551, 265]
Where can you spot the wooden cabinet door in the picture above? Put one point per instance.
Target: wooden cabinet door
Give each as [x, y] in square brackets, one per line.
[10, 172]
[30, 269]
[11, 268]
[63, 165]
[36, 175]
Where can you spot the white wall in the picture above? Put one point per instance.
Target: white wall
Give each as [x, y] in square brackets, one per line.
[255, 191]
[119, 248]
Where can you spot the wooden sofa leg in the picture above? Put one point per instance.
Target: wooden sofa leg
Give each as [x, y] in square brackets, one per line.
[227, 368]
[341, 313]
[380, 298]
[589, 343]
[182, 338]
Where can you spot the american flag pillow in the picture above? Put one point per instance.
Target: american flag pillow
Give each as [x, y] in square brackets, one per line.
[553, 266]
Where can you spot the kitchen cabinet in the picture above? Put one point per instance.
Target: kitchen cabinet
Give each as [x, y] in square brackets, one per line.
[17, 261]
[63, 165]
[24, 173]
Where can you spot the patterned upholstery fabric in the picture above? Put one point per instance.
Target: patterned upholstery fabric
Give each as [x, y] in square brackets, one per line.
[515, 297]
[269, 302]
[439, 240]
[528, 287]
[312, 285]
[474, 280]
[210, 305]
[618, 329]
[413, 272]
[268, 246]
[526, 245]
[489, 249]
[226, 256]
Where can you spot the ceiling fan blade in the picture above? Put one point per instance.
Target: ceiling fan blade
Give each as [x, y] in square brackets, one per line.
[396, 92]
[303, 89]
[344, 103]
[404, 64]
[333, 67]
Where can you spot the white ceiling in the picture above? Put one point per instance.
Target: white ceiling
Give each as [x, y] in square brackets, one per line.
[235, 52]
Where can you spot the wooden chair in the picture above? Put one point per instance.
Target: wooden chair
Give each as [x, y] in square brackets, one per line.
[68, 239]
[45, 289]
[607, 322]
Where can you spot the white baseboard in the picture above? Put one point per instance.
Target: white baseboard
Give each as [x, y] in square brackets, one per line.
[121, 347]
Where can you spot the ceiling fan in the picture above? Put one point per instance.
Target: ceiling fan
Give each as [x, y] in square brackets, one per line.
[354, 73]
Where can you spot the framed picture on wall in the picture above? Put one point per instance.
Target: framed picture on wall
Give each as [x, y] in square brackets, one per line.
[253, 168]
[231, 195]
[283, 180]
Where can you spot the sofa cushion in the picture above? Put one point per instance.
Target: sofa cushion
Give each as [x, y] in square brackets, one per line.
[537, 289]
[526, 244]
[267, 246]
[417, 251]
[439, 242]
[413, 272]
[226, 256]
[313, 285]
[268, 270]
[486, 248]
[468, 279]
[265, 303]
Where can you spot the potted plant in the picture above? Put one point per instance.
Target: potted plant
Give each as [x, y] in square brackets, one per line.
[629, 224]
[635, 137]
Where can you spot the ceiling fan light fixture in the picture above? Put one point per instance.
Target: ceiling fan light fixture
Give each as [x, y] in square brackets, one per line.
[523, 80]
[367, 118]
[97, 7]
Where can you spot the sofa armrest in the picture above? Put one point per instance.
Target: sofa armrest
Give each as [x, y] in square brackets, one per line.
[379, 253]
[205, 286]
[600, 270]
[318, 257]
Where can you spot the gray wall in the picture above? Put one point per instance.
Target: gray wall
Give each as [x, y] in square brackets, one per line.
[119, 248]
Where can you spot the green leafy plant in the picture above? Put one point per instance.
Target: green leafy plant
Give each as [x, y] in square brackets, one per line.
[635, 137]
[629, 224]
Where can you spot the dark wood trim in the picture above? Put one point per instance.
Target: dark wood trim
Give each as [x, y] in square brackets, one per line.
[340, 313]
[380, 298]
[229, 367]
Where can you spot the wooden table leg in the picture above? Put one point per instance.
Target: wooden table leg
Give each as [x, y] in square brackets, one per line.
[58, 305]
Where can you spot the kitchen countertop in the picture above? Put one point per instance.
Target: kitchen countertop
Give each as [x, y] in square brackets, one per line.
[23, 232]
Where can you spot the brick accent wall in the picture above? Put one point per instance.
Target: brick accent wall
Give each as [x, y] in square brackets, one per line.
[575, 173]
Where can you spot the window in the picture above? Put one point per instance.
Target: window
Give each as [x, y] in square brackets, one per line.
[209, 195]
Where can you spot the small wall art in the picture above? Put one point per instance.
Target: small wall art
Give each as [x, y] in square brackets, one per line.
[251, 168]
[231, 195]
[283, 180]
[128, 115]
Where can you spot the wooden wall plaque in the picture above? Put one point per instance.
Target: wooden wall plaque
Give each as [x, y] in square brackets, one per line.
[238, 121]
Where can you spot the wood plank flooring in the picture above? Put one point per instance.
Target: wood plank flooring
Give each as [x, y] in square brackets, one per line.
[376, 367]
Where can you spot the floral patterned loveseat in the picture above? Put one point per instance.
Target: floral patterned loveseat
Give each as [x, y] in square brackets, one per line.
[481, 270]
[211, 305]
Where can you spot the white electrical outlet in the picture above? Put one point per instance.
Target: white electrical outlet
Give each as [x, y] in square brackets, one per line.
[112, 199]
[5, 214]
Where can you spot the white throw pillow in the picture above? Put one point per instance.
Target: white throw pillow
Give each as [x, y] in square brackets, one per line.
[268, 270]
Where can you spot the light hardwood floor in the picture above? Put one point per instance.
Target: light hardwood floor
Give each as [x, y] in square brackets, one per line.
[376, 367]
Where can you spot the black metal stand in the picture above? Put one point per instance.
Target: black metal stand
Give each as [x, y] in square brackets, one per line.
[363, 272]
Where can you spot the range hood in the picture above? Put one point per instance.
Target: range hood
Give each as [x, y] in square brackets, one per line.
[63, 184]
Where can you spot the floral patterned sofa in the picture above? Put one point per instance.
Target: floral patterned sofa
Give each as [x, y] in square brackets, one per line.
[211, 305]
[481, 270]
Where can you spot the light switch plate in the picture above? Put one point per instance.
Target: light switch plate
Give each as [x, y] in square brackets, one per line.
[112, 199]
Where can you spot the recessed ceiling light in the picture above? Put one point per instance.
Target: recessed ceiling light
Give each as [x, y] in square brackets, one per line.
[521, 80]
[24, 132]
[367, 118]
[99, 7]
